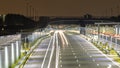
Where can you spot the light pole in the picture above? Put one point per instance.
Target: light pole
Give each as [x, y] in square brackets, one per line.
[28, 8]
[118, 9]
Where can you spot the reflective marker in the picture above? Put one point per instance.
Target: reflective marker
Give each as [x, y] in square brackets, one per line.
[77, 60]
[75, 56]
[97, 64]
[61, 66]
[109, 66]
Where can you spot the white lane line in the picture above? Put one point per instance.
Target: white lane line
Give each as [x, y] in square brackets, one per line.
[61, 66]
[77, 60]
[64, 38]
[60, 57]
[90, 56]
[75, 57]
[98, 65]
[60, 61]
[74, 53]
[79, 65]
[93, 60]
[46, 52]
[57, 50]
[52, 51]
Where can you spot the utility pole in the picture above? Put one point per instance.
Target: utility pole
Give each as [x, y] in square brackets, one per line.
[33, 14]
[30, 11]
[117, 9]
[27, 9]
[106, 12]
[111, 11]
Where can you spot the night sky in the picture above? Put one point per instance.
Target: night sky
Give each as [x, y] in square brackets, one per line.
[61, 7]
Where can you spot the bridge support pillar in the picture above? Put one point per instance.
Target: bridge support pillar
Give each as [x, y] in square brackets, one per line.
[117, 29]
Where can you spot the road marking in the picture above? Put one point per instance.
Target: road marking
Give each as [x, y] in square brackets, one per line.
[60, 61]
[61, 66]
[93, 60]
[47, 52]
[90, 56]
[73, 53]
[97, 64]
[109, 66]
[79, 65]
[60, 57]
[75, 56]
[77, 60]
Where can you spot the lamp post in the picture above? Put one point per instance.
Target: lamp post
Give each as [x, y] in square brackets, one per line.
[28, 8]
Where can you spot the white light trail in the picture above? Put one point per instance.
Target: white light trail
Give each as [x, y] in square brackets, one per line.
[53, 48]
[46, 53]
[62, 39]
[65, 38]
[57, 51]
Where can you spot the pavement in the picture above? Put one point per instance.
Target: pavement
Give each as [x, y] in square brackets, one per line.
[82, 54]
[37, 57]
[78, 53]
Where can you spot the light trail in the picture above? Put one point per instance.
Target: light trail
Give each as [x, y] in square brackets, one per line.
[46, 53]
[62, 39]
[53, 48]
[57, 51]
[65, 39]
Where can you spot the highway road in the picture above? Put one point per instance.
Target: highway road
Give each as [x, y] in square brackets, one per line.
[68, 51]
[80, 53]
[40, 56]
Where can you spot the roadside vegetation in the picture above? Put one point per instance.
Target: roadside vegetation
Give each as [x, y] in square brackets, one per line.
[106, 49]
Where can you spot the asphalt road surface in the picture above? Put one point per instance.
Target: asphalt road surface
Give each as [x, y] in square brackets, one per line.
[79, 53]
[82, 54]
[37, 57]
